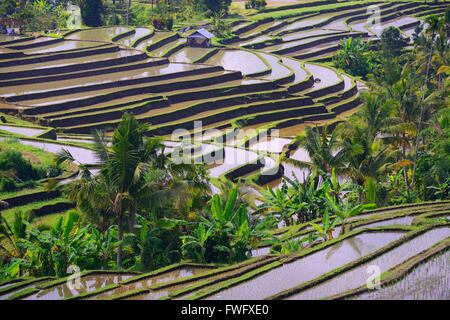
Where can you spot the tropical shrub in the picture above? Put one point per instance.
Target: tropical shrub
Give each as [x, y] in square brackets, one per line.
[22, 169]
[392, 41]
[92, 12]
[162, 23]
[255, 4]
[355, 57]
[223, 233]
[215, 6]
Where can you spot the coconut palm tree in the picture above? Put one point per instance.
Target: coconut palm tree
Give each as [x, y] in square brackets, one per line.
[135, 175]
[367, 158]
[323, 150]
[376, 113]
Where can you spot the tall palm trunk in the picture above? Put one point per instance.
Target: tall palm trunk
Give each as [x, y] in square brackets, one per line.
[119, 238]
[421, 114]
[132, 218]
[128, 11]
[405, 172]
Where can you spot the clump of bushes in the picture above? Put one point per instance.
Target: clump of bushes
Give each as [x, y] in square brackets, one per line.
[256, 4]
[162, 23]
[356, 57]
[21, 170]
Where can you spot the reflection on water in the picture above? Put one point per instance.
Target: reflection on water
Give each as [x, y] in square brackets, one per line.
[309, 267]
[98, 34]
[88, 283]
[148, 282]
[238, 60]
[358, 276]
[29, 132]
[429, 281]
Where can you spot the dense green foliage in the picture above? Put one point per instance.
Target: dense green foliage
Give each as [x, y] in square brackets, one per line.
[356, 57]
[16, 171]
[92, 12]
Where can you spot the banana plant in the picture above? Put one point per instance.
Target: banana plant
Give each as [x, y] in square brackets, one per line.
[151, 249]
[198, 241]
[280, 204]
[346, 210]
[53, 251]
[326, 230]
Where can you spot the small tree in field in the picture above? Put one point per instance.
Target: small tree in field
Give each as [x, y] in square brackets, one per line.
[92, 12]
[392, 41]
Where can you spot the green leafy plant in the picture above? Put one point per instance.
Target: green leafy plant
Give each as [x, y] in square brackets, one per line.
[346, 210]
[326, 230]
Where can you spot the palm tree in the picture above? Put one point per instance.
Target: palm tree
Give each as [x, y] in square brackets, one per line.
[135, 175]
[367, 158]
[13, 233]
[123, 166]
[322, 149]
[376, 113]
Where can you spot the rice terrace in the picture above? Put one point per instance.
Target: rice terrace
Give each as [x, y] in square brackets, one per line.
[224, 150]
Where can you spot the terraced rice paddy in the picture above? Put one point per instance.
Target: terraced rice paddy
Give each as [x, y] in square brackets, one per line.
[268, 77]
[335, 269]
[49, 80]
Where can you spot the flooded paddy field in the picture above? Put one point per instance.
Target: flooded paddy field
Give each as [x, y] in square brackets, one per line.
[266, 77]
[98, 34]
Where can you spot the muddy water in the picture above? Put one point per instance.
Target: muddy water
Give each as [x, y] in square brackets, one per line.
[156, 37]
[358, 276]
[278, 70]
[29, 132]
[299, 72]
[7, 285]
[260, 251]
[100, 79]
[9, 294]
[292, 43]
[234, 157]
[347, 82]
[139, 32]
[148, 282]
[303, 24]
[159, 52]
[98, 34]
[301, 155]
[240, 25]
[270, 144]
[307, 268]
[40, 40]
[5, 50]
[61, 46]
[326, 76]
[84, 95]
[255, 40]
[404, 220]
[4, 37]
[260, 28]
[67, 62]
[238, 60]
[88, 283]
[292, 173]
[310, 34]
[359, 26]
[80, 154]
[429, 281]
[189, 54]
